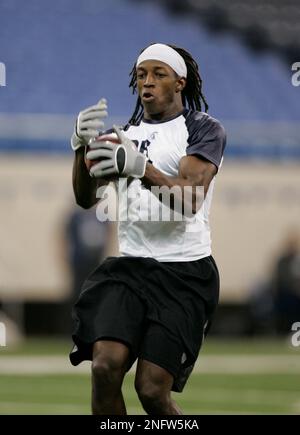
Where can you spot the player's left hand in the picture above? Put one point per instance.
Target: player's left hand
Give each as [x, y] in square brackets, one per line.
[120, 159]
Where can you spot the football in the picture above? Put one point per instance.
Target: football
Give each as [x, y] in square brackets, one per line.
[111, 137]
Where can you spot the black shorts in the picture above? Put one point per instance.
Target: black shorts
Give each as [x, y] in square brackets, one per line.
[161, 311]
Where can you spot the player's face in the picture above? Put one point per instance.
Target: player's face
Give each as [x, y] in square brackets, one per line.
[159, 88]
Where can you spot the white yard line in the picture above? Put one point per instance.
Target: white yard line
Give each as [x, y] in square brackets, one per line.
[39, 407]
[296, 407]
[247, 364]
[237, 364]
[41, 365]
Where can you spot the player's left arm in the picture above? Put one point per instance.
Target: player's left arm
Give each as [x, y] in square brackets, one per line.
[193, 172]
[206, 143]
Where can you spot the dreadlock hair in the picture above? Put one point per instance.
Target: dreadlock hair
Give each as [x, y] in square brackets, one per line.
[191, 95]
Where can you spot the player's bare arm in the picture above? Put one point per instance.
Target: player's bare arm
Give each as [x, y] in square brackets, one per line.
[87, 126]
[84, 186]
[192, 172]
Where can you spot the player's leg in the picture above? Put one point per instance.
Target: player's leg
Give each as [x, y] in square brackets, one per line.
[110, 314]
[110, 362]
[153, 385]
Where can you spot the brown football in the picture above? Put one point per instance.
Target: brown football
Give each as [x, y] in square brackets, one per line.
[112, 137]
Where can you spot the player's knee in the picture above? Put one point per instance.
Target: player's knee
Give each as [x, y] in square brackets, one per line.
[107, 371]
[152, 396]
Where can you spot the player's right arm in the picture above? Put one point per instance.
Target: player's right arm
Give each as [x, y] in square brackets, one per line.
[88, 124]
[84, 186]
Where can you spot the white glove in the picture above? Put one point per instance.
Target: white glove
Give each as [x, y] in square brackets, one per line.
[116, 159]
[88, 124]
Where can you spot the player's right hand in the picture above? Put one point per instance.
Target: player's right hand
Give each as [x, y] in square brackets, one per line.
[88, 124]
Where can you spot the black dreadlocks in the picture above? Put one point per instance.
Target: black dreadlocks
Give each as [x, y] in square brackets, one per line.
[191, 95]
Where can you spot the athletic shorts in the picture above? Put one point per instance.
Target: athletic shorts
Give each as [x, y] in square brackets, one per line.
[160, 310]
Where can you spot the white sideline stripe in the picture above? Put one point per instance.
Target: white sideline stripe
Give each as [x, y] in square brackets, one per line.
[296, 407]
[58, 407]
[247, 364]
[239, 364]
[41, 365]
[55, 409]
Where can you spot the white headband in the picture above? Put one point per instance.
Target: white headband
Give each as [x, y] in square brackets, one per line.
[165, 54]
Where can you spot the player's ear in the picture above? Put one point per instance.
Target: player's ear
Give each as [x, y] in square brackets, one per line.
[180, 84]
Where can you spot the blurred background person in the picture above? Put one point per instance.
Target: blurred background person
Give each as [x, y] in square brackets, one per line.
[286, 283]
[86, 242]
[274, 302]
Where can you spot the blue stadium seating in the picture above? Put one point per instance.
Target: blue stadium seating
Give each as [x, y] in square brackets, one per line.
[63, 55]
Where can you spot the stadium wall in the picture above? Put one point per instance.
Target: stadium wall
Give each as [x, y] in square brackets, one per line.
[254, 205]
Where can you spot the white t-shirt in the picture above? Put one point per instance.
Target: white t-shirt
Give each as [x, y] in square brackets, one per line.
[165, 143]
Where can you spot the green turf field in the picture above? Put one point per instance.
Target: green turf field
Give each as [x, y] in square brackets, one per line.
[216, 390]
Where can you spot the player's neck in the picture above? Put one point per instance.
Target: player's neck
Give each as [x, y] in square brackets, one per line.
[170, 112]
